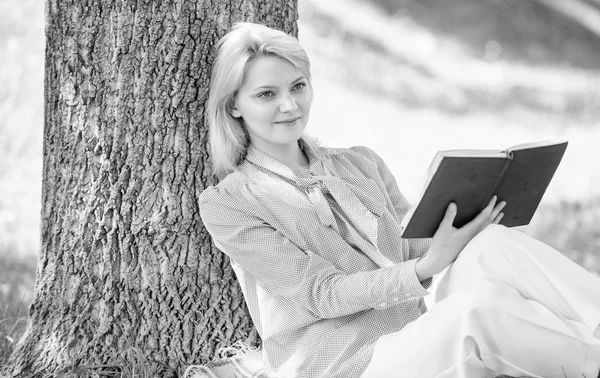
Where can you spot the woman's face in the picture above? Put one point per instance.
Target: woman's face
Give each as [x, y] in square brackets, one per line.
[274, 103]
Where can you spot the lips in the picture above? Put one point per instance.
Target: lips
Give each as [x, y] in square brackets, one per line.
[288, 121]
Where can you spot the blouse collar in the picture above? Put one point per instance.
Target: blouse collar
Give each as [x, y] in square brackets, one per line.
[261, 159]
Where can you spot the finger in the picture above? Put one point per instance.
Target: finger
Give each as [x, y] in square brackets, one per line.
[449, 216]
[497, 209]
[492, 202]
[482, 219]
[498, 218]
[484, 215]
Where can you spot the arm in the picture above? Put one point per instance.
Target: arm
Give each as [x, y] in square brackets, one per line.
[437, 253]
[282, 267]
[400, 205]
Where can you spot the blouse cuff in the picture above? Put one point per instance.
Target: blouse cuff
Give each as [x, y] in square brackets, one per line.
[409, 287]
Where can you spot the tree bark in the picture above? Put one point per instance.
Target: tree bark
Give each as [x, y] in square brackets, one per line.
[126, 267]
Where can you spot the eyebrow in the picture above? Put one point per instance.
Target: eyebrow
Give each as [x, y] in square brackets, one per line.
[273, 86]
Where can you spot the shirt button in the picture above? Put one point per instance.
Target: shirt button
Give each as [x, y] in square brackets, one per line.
[382, 304]
[396, 299]
[407, 295]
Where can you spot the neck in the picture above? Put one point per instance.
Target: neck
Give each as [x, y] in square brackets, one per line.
[288, 154]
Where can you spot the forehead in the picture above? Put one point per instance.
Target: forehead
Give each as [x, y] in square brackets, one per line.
[270, 70]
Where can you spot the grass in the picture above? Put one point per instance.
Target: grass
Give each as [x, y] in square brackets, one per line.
[17, 278]
[572, 228]
[130, 363]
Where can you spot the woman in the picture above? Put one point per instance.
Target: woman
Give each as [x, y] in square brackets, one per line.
[313, 236]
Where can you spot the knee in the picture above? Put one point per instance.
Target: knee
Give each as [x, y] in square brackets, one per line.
[492, 237]
[487, 298]
[491, 233]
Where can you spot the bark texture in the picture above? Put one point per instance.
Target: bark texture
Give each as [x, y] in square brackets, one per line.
[125, 263]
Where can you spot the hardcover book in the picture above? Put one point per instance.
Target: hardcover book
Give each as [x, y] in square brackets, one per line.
[518, 175]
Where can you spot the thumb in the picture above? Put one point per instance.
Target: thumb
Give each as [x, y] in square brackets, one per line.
[449, 216]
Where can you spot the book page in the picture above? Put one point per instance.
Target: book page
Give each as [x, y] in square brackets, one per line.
[548, 142]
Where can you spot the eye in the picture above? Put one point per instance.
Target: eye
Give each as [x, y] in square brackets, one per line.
[299, 86]
[266, 94]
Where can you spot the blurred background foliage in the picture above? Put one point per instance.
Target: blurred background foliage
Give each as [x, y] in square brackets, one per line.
[405, 77]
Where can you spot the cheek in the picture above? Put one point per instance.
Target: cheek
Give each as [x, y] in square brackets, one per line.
[256, 111]
[308, 97]
[307, 101]
[265, 113]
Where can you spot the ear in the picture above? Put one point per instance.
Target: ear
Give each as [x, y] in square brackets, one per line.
[233, 110]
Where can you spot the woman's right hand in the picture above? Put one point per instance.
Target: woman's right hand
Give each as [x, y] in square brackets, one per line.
[449, 241]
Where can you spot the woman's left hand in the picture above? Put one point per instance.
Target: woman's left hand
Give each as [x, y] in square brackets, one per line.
[449, 241]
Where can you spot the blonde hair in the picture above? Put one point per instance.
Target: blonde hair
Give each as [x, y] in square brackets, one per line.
[246, 41]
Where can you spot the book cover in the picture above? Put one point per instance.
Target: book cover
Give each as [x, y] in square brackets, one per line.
[518, 175]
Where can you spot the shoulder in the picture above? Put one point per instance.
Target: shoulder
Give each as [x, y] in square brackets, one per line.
[234, 190]
[355, 152]
[365, 152]
[361, 157]
[225, 193]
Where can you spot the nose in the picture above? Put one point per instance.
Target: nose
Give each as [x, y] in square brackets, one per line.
[288, 103]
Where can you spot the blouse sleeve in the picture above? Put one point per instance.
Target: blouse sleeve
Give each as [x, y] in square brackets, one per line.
[282, 267]
[417, 247]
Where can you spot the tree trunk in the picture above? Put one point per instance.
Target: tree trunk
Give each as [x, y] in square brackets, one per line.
[126, 267]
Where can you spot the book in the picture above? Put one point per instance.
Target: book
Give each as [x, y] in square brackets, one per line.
[518, 175]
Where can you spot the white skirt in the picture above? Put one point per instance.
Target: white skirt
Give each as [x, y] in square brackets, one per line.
[508, 305]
